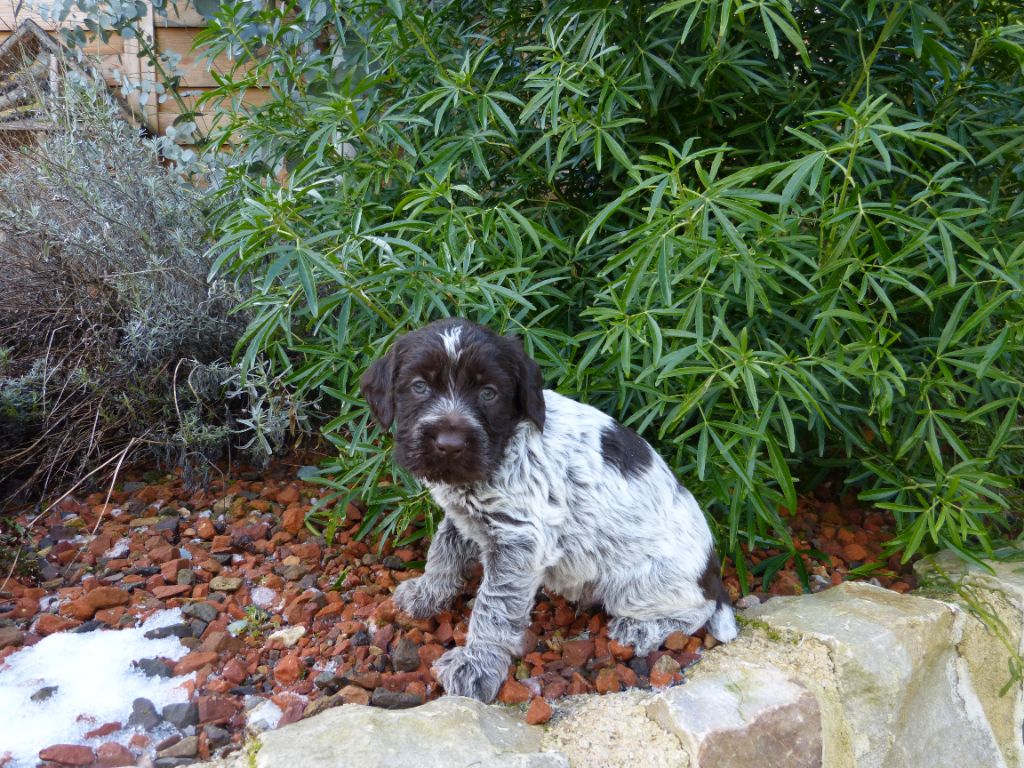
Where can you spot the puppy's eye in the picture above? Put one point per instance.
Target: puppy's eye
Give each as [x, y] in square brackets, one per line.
[488, 393]
[420, 387]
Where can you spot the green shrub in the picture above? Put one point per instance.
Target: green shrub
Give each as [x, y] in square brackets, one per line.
[784, 241]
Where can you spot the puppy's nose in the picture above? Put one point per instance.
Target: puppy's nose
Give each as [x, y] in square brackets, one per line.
[449, 444]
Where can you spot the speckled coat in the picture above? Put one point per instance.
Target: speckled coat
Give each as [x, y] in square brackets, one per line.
[562, 497]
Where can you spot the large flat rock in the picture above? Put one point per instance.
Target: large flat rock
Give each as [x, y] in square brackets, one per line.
[905, 698]
[451, 732]
[748, 715]
[991, 601]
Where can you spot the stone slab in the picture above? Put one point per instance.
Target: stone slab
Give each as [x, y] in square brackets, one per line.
[451, 732]
[904, 695]
[747, 715]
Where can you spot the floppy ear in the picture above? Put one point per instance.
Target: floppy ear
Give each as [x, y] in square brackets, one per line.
[377, 386]
[529, 383]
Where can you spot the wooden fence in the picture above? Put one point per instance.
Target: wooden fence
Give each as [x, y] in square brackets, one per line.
[174, 34]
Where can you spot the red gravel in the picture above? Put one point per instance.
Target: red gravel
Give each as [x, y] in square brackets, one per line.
[227, 542]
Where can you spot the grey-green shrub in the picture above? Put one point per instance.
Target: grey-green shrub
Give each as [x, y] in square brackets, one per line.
[782, 240]
[113, 339]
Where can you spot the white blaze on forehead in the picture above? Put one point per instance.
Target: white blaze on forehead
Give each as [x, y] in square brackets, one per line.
[450, 338]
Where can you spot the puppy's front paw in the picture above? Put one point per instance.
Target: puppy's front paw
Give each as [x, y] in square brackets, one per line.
[422, 597]
[475, 671]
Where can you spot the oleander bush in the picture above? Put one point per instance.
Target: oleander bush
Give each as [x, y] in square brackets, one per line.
[782, 240]
[112, 341]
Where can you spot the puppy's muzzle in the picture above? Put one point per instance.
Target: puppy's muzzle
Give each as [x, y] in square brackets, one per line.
[452, 449]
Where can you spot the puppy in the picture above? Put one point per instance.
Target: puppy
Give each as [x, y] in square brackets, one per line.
[544, 492]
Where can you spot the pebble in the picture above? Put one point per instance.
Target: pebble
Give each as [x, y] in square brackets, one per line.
[48, 623]
[288, 636]
[154, 667]
[664, 671]
[202, 611]
[44, 693]
[171, 630]
[217, 737]
[193, 661]
[576, 653]
[110, 754]
[225, 583]
[86, 606]
[181, 715]
[539, 712]
[215, 708]
[68, 754]
[748, 601]
[187, 747]
[144, 715]
[386, 699]
[12, 636]
[406, 655]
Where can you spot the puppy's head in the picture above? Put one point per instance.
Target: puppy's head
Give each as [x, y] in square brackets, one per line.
[456, 392]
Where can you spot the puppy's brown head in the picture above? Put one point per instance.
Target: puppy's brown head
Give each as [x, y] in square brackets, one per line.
[456, 392]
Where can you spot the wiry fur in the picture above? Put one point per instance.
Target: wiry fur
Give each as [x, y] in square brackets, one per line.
[563, 497]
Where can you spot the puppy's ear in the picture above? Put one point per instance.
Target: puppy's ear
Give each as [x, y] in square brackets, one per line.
[377, 387]
[529, 383]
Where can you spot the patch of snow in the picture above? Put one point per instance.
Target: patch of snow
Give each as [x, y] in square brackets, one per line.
[95, 682]
[264, 716]
[264, 597]
[118, 550]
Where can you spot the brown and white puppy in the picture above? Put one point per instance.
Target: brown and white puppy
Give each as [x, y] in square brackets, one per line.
[543, 491]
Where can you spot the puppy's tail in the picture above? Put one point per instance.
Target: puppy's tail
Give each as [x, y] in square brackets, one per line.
[723, 623]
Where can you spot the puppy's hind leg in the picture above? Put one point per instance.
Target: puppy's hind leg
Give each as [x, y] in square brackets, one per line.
[645, 615]
[449, 556]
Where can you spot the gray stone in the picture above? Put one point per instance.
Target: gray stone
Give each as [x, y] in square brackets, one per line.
[168, 524]
[186, 577]
[406, 657]
[386, 699]
[217, 736]
[328, 682]
[171, 630]
[144, 714]
[202, 611]
[187, 747]
[291, 572]
[451, 732]
[900, 688]
[44, 693]
[181, 715]
[172, 762]
[748, 715]
[11, 636]
[154, 667]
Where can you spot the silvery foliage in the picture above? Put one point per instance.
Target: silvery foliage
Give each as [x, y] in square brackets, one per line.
[132, 225]
[104, 262]
[103, 18]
